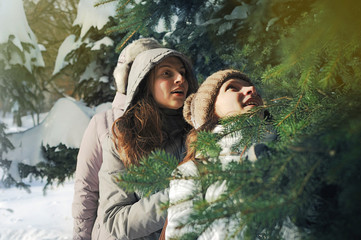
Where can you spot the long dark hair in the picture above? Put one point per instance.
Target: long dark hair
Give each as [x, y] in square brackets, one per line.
[139, 130]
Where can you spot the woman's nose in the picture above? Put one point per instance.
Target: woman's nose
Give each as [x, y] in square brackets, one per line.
[179, 78]
[249, 90]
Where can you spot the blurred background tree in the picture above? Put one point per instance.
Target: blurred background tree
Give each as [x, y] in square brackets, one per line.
[51, 49]
[53, 52]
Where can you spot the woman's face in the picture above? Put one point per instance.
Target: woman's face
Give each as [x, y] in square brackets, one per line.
[170, 85]
[235, 97]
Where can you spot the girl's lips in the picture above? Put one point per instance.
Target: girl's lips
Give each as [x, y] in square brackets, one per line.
[178, 94]
[177, 91]
[252, 102]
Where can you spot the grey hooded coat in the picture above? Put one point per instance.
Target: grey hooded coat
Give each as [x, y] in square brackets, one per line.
[124, 215]
[86, 186]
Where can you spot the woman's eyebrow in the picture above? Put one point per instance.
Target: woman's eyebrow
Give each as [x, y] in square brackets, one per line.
[163, 66]
[169, 66]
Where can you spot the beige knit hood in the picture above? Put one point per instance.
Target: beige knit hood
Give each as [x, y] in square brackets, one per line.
[198, 105]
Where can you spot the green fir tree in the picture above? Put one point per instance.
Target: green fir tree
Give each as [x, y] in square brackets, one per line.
[306, 58]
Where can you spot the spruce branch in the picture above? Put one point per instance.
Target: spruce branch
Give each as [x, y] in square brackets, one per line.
[129, 37]
[152, 175]
[308, 176]
[293, 111]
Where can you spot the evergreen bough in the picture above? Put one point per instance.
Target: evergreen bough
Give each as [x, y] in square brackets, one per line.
[306, 58]
[59, 165]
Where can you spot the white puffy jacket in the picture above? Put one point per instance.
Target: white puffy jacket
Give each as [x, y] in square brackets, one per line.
[185, 189]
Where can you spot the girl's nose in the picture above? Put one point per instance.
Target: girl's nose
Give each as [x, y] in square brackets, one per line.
[249, 90]
[179, 78]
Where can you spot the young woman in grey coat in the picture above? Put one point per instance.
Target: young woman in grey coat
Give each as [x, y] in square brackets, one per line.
[90, 156]
[159, 81]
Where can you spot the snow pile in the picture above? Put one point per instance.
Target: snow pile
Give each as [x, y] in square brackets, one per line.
[26, 122]
[35, 216]
[65, 123]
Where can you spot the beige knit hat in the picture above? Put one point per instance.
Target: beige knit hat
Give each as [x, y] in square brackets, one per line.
[126, 58]
[198, 105]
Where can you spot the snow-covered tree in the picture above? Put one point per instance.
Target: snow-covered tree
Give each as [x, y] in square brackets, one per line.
[48, 150]
[88, 56]
[79, 60]
[20, 63]
[51, 21]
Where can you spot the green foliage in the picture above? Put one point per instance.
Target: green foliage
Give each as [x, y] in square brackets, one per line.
[59, 165]
[305, 56]
[6, 179]
[20, 91]
[314, 53]
[95, 92]
[4, 141]
[51, 22]
[175, 23]
[311, 176]
[4, 147]
[26, 85]
[152, 174]
[24, 170]
[91, 70]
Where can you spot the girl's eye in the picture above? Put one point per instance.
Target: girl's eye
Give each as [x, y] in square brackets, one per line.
[167, 73]
[231, 88]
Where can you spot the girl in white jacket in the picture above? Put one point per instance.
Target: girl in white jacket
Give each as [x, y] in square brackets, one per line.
[225, 93]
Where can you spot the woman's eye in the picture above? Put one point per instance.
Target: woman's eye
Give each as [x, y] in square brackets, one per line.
[231, 88]
[166, 73]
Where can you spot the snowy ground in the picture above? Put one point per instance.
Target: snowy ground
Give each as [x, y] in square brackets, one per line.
[33, 216]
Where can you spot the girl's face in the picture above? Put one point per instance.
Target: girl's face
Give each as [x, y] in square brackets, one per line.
[235, 97]
[170, 85]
